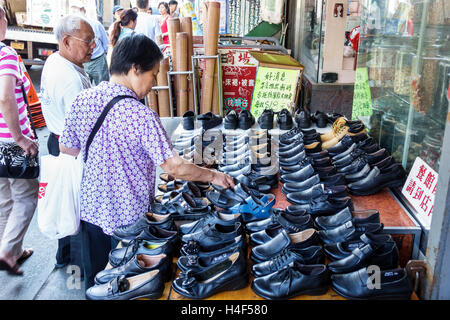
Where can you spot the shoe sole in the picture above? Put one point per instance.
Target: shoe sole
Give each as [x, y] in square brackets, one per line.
[241, 283]
[311, 292]
[379, 297]
[389, 184]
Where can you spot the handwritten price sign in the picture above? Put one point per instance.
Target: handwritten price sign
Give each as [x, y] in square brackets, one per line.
[420, 189]
[274, 89]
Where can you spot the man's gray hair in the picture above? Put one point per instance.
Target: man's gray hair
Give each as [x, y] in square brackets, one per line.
[69, 25]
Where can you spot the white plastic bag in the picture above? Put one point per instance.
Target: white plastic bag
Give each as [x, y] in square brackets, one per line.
[58, 199]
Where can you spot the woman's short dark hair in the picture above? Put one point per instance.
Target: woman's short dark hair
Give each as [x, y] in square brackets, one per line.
[135, 50]
[165, 6]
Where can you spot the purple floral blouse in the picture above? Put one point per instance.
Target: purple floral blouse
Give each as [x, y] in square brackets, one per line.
[119, 176]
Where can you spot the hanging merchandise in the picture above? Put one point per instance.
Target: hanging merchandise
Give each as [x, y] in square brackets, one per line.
[187, 10]
[272, 11]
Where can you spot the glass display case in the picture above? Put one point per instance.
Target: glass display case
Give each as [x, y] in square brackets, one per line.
[312, 51]
[405, 46]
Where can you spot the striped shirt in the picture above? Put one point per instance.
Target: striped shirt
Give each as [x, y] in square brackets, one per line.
[9, 66]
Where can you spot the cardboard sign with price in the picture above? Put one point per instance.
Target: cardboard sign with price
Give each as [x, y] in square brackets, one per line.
[420, 190]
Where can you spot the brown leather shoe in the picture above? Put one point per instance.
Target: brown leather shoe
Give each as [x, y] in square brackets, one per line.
[353, 130]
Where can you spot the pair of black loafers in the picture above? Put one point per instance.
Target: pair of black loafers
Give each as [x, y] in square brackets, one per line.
[284, 119]
[243, 120]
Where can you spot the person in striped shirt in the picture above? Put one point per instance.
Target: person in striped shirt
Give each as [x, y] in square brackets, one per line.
[18, 197]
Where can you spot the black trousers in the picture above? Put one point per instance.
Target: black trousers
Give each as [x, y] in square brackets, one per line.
[95, 250]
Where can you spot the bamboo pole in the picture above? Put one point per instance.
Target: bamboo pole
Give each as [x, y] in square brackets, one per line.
[173, 27]
[153, 101]
[212, 36]
[182, 65]
[163, 95]
[186, 26]
[215, 98]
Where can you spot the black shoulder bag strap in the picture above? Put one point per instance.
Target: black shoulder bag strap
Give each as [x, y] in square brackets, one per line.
[100, 120]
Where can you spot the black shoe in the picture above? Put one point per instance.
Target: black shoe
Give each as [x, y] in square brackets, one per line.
[183, 207]
[337, 179]
[139, 264]
[385, 256]
[298, 176]
[294, 159]
[277, 218]
[284, 120]
[341, 250]
[200, 262]
[355, 167]
[120, 256]
[263, 236]
[152, 233]
[302, 118]
[320, 119]
[392, 176]
[212, 234]
[194, 248]
[309, 255]
[345, 215]
[209, 120]
[293, 281]
[323, 207]
[284, 240]
[131, 231]
[265, 120]
[316, 192]
[227, 275]
[290, 187]
[298, 148]
[246, 120]
[211, 218]
[297, 167]
[188, 120]
[348, 232]
[231, 120]
[395, 284]
[147, 285]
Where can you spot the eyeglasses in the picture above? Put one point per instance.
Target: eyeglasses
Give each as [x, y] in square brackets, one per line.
[88, 42]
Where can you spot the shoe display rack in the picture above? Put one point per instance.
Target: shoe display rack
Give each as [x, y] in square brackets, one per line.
[397, 222]
[300, 233]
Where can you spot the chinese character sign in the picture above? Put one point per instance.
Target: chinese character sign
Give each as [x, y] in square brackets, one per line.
[238, 78]
[420, 189]
[362, 101]
[274, 89]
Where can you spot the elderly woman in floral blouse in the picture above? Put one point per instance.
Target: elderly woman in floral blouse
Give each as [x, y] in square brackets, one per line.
[120, 170]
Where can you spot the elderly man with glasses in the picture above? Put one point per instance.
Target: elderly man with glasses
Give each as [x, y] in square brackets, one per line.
[97, 67]
[63, 78]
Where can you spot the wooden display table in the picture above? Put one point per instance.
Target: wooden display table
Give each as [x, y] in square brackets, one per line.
[396, 221]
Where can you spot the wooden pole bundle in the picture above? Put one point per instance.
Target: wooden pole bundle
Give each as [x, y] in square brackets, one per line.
[186, 26]
[163, 95]
[153, 101]
[182, 65]
[211, 37]
[173, 27]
